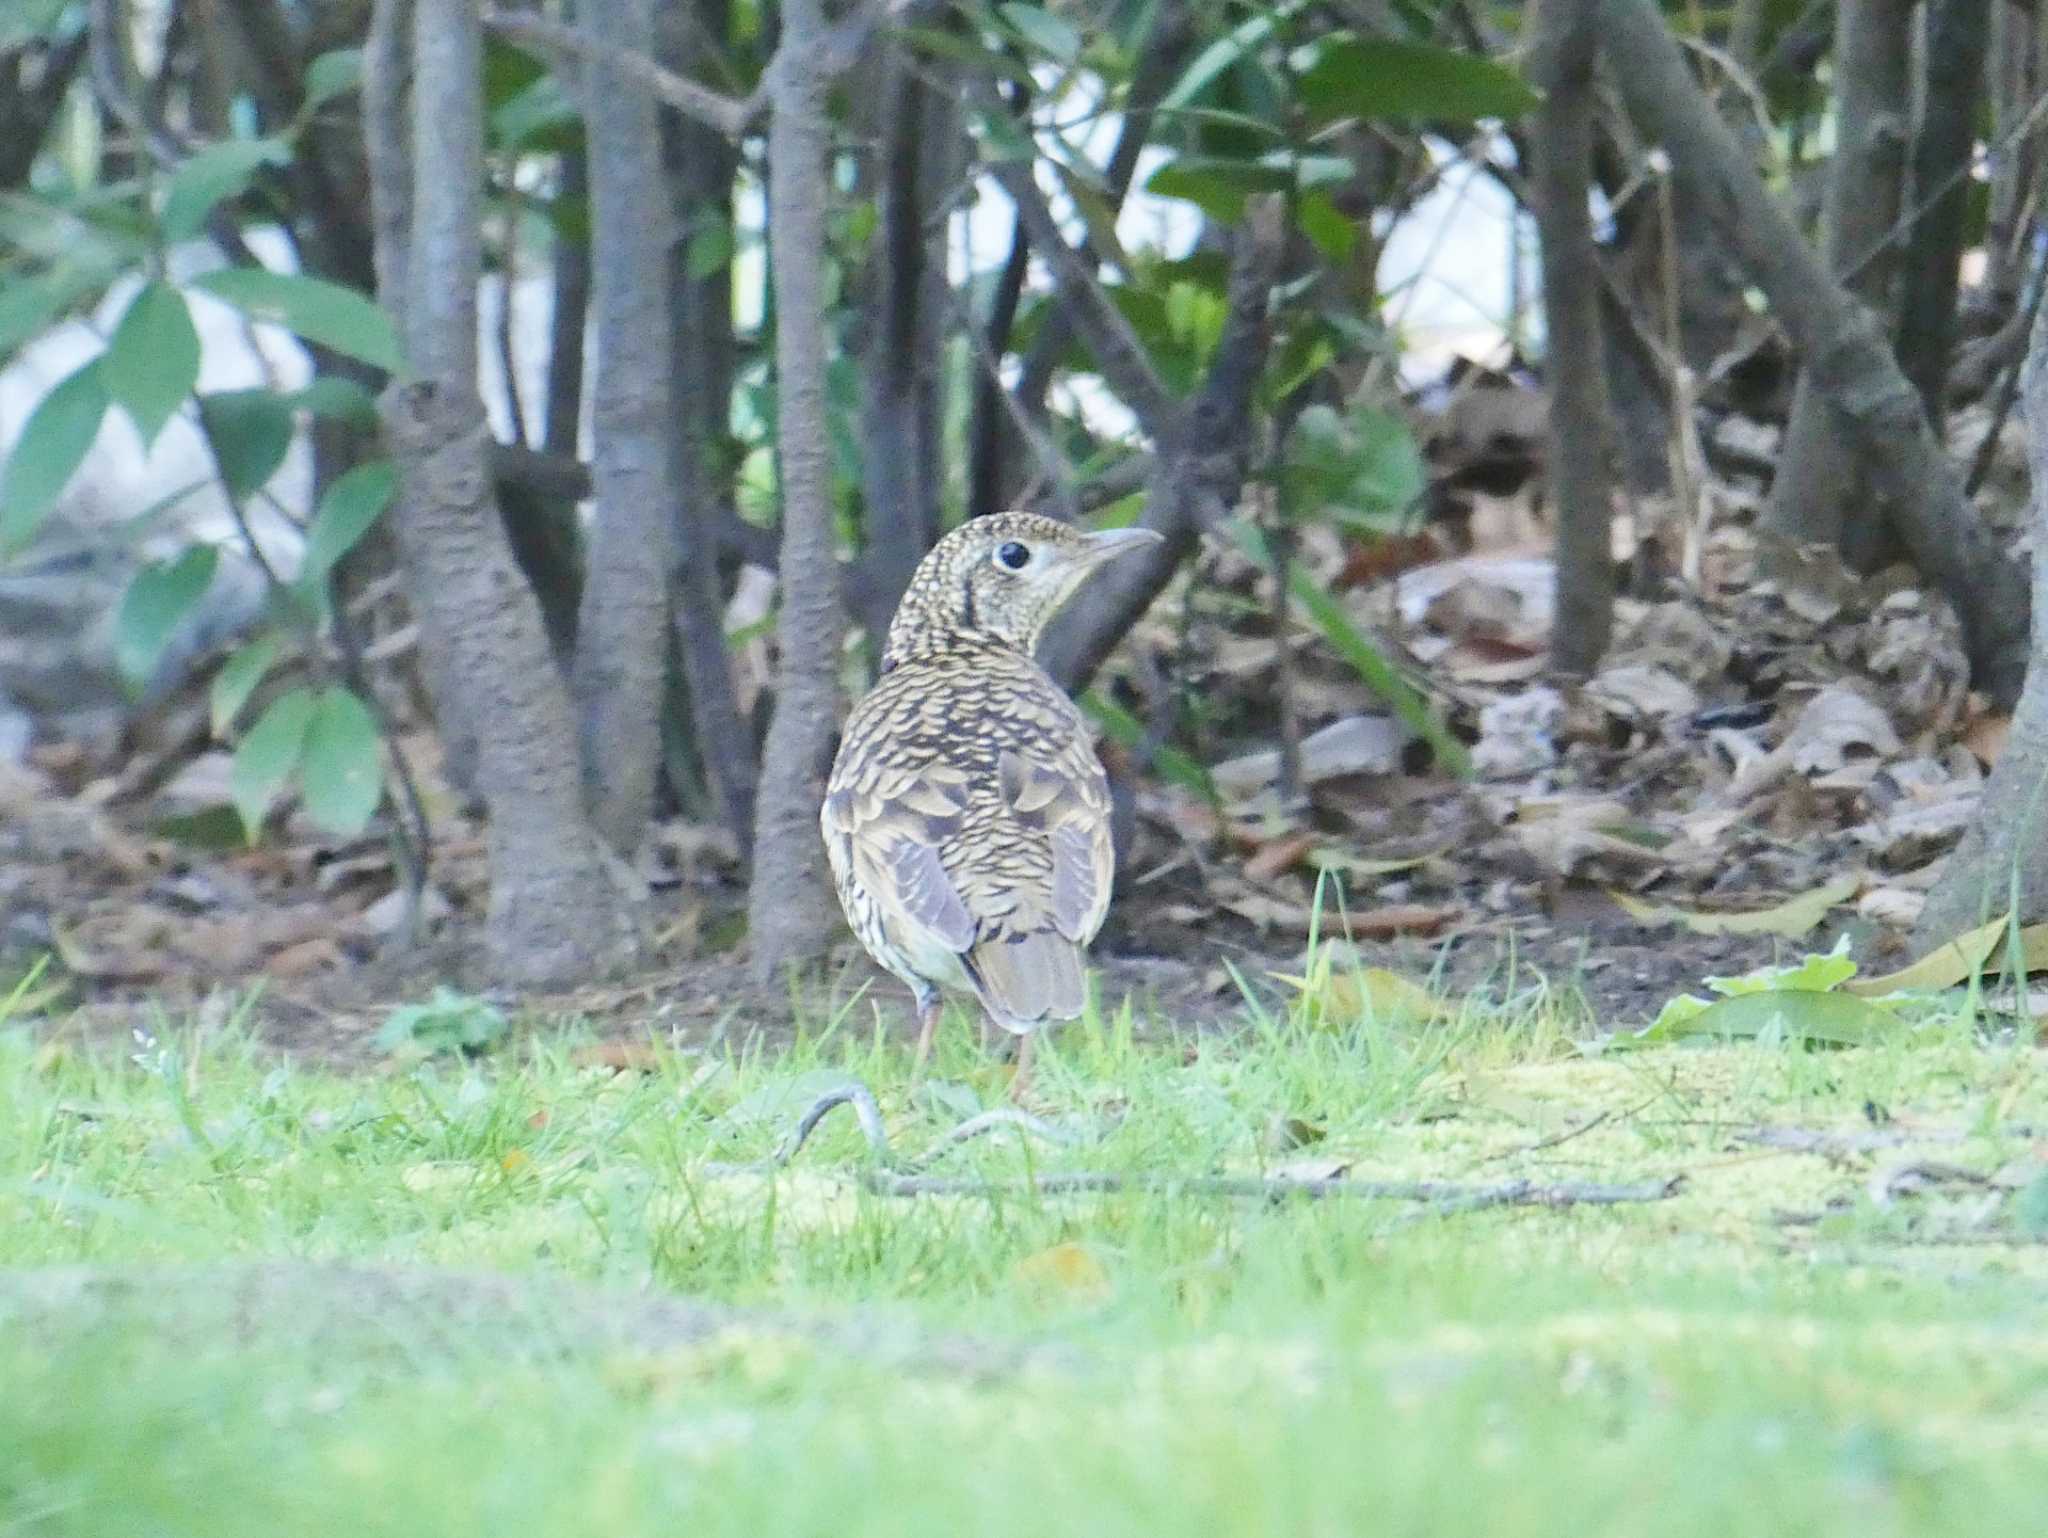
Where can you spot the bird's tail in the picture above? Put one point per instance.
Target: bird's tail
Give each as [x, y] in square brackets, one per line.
[1025, 980]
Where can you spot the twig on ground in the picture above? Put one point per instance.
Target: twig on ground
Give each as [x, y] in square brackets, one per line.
[1444, 1196]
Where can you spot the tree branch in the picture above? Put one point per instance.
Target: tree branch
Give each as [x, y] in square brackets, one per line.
[1838, 339]
[1118, 352]
[559, 41]
[1198, 474]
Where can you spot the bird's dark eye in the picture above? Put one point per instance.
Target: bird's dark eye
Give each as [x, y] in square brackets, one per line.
[1013, 556]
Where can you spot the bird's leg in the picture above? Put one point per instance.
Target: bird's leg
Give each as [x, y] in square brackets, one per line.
[929, 1006]
[1020, 1081]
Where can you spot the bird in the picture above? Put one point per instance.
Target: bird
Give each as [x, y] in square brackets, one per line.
[967, 817]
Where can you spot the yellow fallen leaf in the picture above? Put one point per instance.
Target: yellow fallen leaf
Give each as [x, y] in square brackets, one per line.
[1344, 996]
[1068, 1268]
[1792, 918]
[515, 1161]
[1980, 950]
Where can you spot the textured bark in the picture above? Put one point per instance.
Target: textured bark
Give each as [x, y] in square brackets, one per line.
[1958, 36]
[2002, 861]
[622, 628]
[701, 167]
[554, 914]
[1821, 483]
[1561, 65]
[1840, 342]
[902, 362]
[387, 142]
[568, 318]
[2013, 73]
[790, 908]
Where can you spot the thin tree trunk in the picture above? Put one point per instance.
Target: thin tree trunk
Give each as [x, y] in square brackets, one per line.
[790, 907]
[990, 429]
[554, 914]
[1159, 65]
[701, 167]
[901, 356]
[2013, 74]
[1199, 468]
[622, 629]
[569, 318]
[1562, 54]
[1821, 483]
[1840, 342]
[1958, 37]
[2003, 860]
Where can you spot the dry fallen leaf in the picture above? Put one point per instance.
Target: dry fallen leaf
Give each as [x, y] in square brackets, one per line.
[619, 1055]
[1791, 918]
[1069, 1269]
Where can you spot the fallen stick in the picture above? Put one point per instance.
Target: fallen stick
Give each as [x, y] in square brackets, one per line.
[1444, 1196]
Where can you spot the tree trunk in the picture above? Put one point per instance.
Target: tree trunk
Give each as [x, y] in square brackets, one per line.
[2002, 861]
[1821, 484]
[622, 629]
[1957, 39]
[790, 907]
[1561, 58]
[701, 166]
[2013, 72]
[902, 358]
[1840, 342]
[554, 913]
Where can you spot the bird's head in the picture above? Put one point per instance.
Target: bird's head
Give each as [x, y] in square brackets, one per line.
[1006, 576]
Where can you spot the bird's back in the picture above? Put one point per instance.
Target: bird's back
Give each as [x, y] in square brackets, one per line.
[968, 822]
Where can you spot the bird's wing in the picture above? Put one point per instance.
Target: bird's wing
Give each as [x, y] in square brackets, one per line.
[884, 827]
[1062, 792]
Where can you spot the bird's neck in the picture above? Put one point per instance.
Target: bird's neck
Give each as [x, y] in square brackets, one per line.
[926, 638]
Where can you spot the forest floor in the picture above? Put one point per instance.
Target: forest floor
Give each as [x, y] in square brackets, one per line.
[1450, 1264]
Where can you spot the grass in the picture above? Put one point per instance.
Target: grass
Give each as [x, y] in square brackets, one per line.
[1128, 1362]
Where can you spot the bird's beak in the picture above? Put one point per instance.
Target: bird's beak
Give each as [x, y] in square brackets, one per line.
[1107, 544]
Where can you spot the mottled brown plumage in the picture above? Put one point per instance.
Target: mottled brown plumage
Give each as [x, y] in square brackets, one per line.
[967, 817]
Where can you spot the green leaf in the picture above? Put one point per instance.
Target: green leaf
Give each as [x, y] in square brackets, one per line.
[1246, 38]
[352, 504]
[53, 443]
[269, 754]
[337, 399]
[30, 306]
[153, 360]
[710, 248]
[218, 172]
[1386, 80]
[1044, 31]
[449, 1022]
[250, 432]
[1320, 220]
[313, 309]
[334, 73]
[542, 116]
[156, 603]
[238, 678]
[1778, 1015]
[342, 778]
[1365, 467]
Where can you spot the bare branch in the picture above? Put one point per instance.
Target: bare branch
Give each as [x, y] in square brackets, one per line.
[727, 115]
[1118, 352]
[1838, 339]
